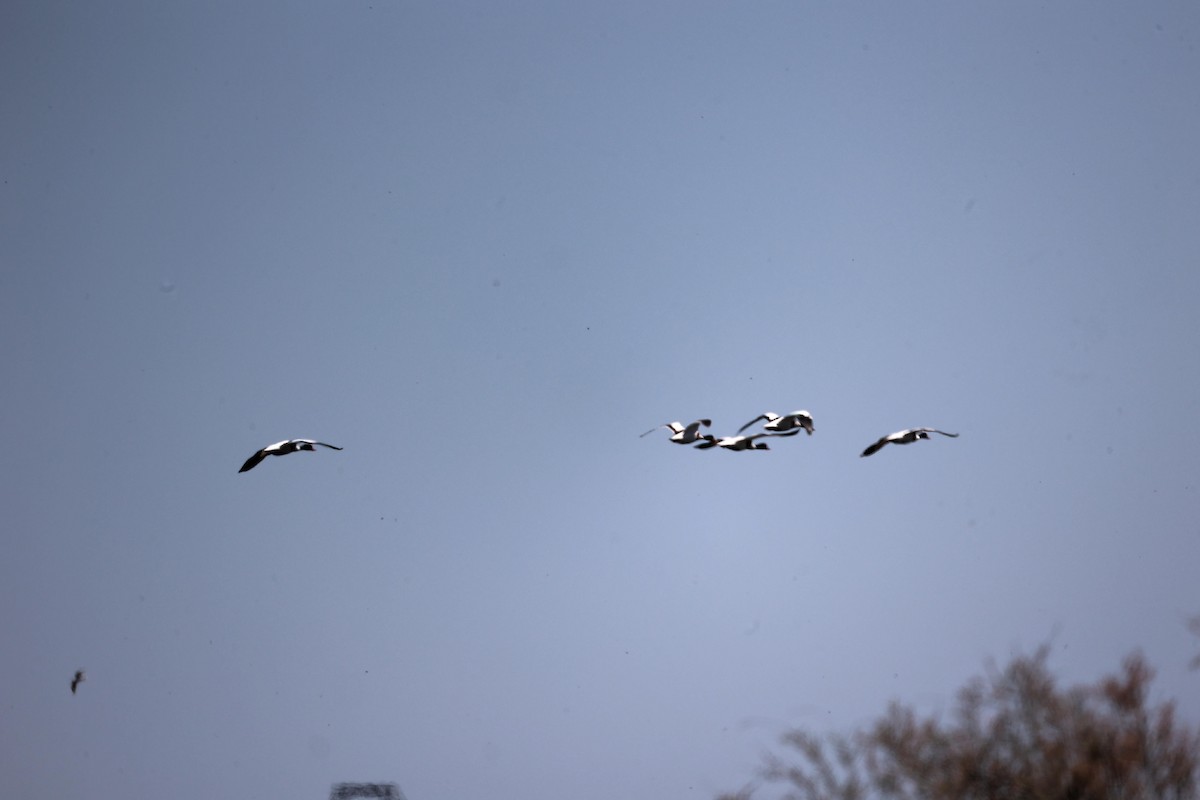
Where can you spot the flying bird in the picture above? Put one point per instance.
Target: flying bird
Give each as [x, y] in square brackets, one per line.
[777, 424]
[905, 437]
[740, 442]
[684, 434]
[282, 449]
[80, 677]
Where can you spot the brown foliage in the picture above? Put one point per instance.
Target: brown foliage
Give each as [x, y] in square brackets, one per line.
[1013, 735]
[1194, 627]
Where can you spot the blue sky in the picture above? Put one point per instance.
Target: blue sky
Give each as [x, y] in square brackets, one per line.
[482, 249]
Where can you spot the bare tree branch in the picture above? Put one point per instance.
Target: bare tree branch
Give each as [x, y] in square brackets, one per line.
[1014, 735]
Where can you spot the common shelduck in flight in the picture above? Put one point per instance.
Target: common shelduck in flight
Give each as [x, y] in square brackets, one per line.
[778, 424]
[685, 435]
[905, 437]
[282, 449]
[740, 442]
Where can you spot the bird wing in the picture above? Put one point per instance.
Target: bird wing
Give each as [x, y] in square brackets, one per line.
[767, 416]
[875, 447]
[675, 427]
[253, 460]
[935, 430]
[330, 446]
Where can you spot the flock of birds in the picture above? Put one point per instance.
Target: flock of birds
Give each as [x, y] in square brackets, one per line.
[776, 425]
[773, 425]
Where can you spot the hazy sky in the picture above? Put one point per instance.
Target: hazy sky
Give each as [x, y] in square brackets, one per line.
[482, 247]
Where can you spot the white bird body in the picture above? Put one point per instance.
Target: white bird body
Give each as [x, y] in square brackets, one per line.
[905, 437]
[684, 434]
[282, 449]
[779, 424]
[740, 442]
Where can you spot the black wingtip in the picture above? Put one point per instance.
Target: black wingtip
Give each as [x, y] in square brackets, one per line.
[751, 422]
[252, 462]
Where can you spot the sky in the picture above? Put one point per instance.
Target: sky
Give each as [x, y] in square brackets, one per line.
[482, 247]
